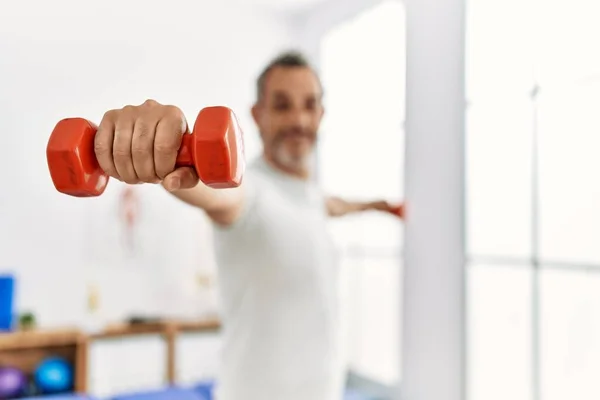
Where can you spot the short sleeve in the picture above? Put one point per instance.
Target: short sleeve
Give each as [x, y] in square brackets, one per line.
[250, 192]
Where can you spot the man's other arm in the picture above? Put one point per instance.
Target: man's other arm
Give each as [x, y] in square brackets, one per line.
[337, 207]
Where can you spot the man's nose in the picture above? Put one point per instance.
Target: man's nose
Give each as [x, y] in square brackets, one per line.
[299, 117]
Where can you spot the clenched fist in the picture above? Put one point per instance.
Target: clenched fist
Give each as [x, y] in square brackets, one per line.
[137, 144]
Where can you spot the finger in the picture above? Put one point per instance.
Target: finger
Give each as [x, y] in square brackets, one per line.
[168, 137]
[142, 149]
[103, 144]
[122, 147]
[181, 178]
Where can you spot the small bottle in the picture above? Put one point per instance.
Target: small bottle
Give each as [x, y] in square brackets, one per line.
[93, 320]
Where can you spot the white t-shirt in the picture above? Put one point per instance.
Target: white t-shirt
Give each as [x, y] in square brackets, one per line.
[278, 275]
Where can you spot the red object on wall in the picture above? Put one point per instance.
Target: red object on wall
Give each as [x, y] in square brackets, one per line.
[129, 210]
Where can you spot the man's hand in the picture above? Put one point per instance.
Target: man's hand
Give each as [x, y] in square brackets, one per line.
[137, 144]
[396, 209]
[337, 207]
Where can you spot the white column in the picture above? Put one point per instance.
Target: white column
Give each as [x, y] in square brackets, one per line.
[433, 348]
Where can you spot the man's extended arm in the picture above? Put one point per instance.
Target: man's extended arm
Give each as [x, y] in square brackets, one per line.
[223, 206]
[337, 207]
[140, 144]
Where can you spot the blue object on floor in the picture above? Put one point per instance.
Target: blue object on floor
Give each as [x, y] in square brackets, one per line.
[7, 293]
[13, 382]
[173, 393]
[54, 375]
[206, 389]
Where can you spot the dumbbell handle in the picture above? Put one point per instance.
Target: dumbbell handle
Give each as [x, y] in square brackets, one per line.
[185, 158]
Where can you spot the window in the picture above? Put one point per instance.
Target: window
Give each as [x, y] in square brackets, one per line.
[569, 188]
[500, 331]
[499, 177]
[570, 327]
[360, 157]
[533, 220]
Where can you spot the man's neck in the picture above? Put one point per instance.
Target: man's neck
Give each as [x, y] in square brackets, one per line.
[299, 173]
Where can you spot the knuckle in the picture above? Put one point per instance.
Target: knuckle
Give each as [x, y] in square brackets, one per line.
[174, 116]
[110, 115]
[142, 128]
[138, 151]
[171, 110]
[150, 103]
[163, 147]
[100, 146]
[128, 111]
[121, 153]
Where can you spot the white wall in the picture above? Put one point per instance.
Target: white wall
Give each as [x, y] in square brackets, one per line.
[315, 22]
[71, 58]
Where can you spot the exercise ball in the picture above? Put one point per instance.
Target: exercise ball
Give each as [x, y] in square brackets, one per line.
[13, 382]
[54, 375]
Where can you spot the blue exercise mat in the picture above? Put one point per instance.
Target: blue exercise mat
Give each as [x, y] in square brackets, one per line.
[61, 397]
[205, 389]
[355, 395]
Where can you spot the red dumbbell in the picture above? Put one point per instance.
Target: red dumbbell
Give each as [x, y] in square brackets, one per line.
[215, 148]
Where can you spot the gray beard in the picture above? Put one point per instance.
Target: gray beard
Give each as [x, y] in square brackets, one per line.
[294, 163]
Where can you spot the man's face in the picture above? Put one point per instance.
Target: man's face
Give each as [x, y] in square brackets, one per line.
[288, 116]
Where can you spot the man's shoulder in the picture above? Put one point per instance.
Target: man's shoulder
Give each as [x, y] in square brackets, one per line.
[256, 178]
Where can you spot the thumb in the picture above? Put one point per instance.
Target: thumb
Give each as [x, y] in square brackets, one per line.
[181, 178]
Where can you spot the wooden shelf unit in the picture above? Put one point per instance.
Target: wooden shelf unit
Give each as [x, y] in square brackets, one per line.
[24, 350]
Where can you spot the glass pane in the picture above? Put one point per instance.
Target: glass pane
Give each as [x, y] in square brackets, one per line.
[499, 332]
[569, 139]
[374, 330]
[379, 231]
[566, 41]
[356, 168]
[499, 182]
[570, 335]
[499, 48]
[362, 141]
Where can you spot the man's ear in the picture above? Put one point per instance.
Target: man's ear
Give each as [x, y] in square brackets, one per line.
[255, 112]
[321, 113]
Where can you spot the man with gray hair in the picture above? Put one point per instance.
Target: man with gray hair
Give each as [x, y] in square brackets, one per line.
[277, 265]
